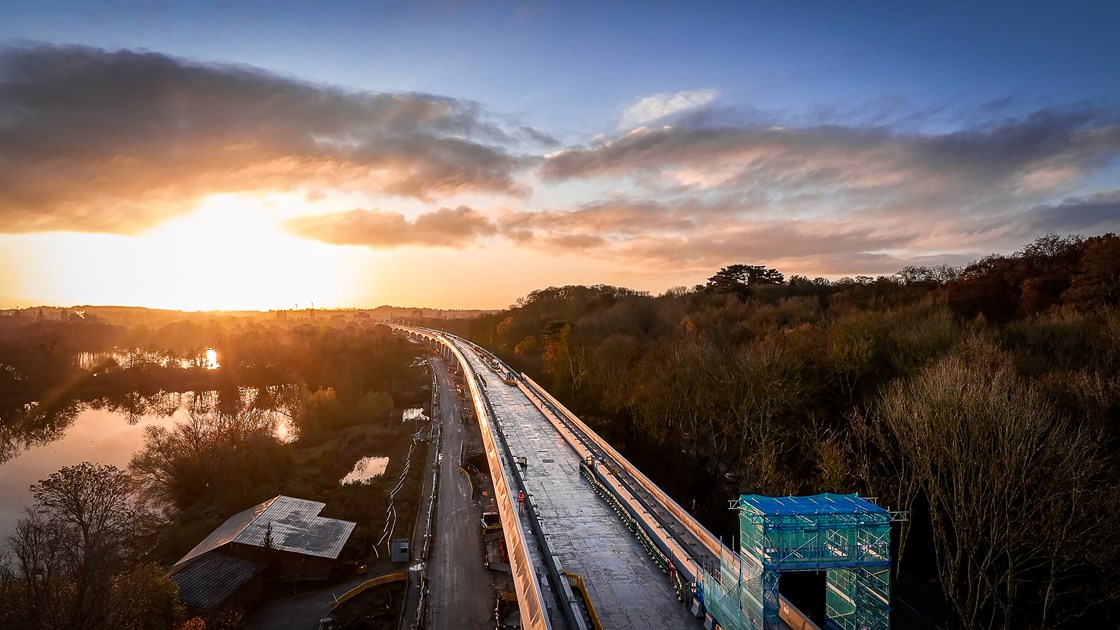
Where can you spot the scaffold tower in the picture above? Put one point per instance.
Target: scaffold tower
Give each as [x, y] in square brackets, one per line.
[842, 534]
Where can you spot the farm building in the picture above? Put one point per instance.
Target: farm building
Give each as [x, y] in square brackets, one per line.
[284, 534]
[211, 581]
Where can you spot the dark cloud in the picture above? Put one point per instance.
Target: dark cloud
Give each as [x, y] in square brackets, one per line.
[529, 135]
[381, 229]
[834, 199]
[92, 140]
[117, 141]
[1087, 215]
[826, 199]
[1048, 139]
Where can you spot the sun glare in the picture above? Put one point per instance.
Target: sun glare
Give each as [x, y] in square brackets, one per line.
[229, 254]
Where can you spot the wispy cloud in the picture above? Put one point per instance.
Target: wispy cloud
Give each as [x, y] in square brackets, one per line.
[620, 217]
[830, 197]
[93, 140]
[686, 236]
[1018, 156]
[659, 106]
[380, 229]
[690, 235]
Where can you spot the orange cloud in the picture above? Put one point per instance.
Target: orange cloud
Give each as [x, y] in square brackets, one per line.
[118, 141]
[380, 229]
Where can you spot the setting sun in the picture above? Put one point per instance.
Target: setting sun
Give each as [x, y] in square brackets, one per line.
[228, 254]
[211, 360]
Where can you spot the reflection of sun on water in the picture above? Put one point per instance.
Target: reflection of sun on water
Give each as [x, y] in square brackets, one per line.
[211, 361]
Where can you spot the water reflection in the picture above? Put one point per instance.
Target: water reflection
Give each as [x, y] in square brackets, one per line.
[134, 405]
[367, 468]
[415, 413]
[38, 439]
[29, 425]
[139, 358]
[25, 426]
[39, 444]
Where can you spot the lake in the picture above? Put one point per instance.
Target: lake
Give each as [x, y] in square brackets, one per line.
[102, 432]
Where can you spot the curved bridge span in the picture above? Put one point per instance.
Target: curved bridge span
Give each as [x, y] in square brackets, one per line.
[587, 512]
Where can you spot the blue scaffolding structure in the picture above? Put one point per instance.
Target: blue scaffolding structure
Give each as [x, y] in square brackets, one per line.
[842, 534]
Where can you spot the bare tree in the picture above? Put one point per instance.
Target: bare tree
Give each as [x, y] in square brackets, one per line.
[1010, 483]
[177, 464]
[35, 594]
[92, 507]
[66, 550]
[881, 465]
[762, 386]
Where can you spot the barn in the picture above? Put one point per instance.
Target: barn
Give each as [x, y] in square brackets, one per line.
[283, 536]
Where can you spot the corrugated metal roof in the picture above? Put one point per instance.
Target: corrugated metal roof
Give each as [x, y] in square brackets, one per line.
[296, 527]
[212, 578]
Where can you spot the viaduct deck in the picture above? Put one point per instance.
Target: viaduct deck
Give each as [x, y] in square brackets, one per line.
[627, 589]
[536, 446]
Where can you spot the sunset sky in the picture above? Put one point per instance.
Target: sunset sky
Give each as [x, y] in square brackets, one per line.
[225, 154]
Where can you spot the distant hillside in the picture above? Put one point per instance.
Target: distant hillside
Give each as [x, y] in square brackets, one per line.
[156, 318]
[391, 312]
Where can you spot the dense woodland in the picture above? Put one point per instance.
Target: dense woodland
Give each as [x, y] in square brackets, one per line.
[89, 552]
[984, 400]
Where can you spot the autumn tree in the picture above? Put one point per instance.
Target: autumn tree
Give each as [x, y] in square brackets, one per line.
[561, 361]
[672, 398]
[1096, 282]
[609, 369]
[144, 597]
[93, 504]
